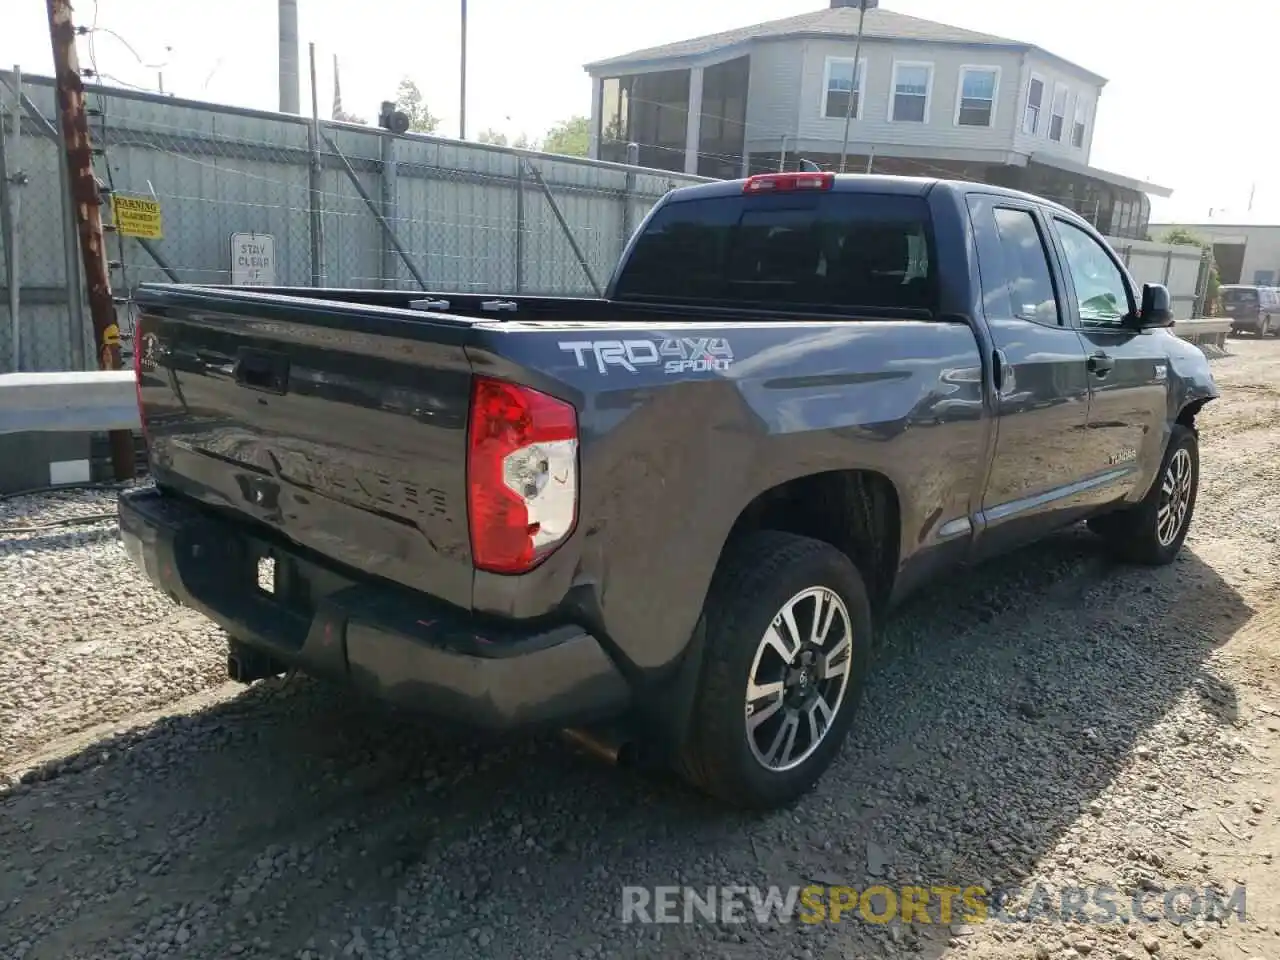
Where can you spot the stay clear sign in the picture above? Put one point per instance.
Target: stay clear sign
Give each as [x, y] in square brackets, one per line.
[253, 259]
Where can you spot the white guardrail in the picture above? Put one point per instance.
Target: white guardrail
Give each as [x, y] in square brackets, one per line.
[99, 401]
[88, 402]
[1204, 330]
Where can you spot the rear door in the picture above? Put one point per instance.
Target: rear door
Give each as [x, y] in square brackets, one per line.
[1042, 384]
[1128, 368]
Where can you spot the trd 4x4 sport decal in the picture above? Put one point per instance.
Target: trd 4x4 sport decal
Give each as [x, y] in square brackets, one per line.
[682, 355]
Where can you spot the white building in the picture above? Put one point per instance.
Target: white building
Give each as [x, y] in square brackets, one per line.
[1245, 253]
[927, 98]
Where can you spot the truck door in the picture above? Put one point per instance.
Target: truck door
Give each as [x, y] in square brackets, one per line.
[1128, 368]
[1042, 388]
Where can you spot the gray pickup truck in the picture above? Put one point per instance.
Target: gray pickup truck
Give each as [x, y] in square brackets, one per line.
[672, 515]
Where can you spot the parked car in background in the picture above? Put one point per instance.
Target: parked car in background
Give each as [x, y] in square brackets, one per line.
[672, 515]
[1253, 308]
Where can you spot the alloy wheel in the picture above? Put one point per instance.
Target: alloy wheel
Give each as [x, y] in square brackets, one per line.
[798, 678]
[1175, 497]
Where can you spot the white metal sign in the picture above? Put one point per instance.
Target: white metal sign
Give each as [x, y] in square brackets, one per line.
[253, 259]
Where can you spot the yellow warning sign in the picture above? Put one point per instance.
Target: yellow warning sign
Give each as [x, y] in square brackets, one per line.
[137, 216]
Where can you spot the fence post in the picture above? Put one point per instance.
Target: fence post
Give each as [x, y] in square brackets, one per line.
[314, 194]
[390, 268]
[9, 206]
[388, 232]
[1168, 266]
[1202, 283]
[628, 190]
[519, 224]
[565, 228]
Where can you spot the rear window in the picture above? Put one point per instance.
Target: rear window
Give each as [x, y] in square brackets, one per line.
[840, 250]
[1240, 295]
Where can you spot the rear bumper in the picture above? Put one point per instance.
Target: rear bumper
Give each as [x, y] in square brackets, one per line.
[1244, 321]
[403, 647]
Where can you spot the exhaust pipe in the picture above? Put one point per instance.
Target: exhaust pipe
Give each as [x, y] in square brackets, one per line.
[612, 749]
[245, 665]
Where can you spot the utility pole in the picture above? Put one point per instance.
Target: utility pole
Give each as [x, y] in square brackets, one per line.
[315, 193]
[462, 104]
[87, 198]
[855, 85]
[288, 66]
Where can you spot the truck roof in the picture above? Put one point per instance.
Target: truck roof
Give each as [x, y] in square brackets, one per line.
[871, 183]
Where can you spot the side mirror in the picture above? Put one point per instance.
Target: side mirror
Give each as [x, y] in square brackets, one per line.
[1157, 308]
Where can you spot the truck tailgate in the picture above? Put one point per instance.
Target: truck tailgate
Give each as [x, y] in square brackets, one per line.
[340, 427]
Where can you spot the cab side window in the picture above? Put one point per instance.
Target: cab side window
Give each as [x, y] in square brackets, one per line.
[1101, 290]
[1026, 267]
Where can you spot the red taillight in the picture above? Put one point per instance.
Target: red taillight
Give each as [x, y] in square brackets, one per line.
[787, 182]
[522, 475]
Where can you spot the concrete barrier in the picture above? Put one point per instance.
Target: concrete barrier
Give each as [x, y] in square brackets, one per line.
[88, 402]
[49, 421]
[1204, 330]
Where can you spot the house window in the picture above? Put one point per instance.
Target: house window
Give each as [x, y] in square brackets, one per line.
[976, 103]
[1058, 118]
[840, 86]
[1035, 102]
[911, 86]
[1077, 126]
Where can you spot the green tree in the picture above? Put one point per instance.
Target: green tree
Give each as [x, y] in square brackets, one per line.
[1185, 237]
[499, 139]
[569, 138]
[409, 100]
[1182, 235]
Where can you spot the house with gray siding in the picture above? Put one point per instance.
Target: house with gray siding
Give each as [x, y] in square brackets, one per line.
[916, 97]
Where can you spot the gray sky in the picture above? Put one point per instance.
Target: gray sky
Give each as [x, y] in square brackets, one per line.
[1191, 101]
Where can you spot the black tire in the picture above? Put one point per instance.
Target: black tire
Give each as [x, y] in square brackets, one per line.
[758, 576]
[1135, 534]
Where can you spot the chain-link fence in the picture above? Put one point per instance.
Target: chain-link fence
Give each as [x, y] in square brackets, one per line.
[245, 196]
[1183, 268]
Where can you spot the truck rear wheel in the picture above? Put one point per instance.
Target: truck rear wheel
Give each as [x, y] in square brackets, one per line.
[1152, 531]
[788, 634]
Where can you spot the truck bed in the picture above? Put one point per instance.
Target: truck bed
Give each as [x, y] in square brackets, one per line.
[336, 420]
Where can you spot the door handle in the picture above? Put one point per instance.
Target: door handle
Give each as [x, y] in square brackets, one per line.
[1100, 364]
[261, 370]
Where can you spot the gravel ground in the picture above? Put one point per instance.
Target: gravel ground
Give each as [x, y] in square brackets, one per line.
[1049, 719]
